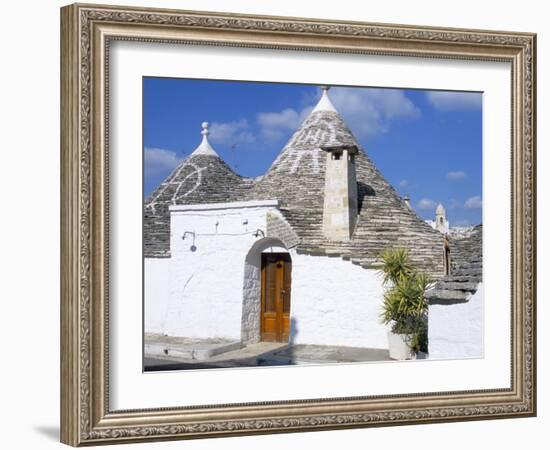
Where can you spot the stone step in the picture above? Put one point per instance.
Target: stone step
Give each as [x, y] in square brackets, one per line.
[447, 295]
[468, 286]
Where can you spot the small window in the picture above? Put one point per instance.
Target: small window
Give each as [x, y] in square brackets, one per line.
[337, 156]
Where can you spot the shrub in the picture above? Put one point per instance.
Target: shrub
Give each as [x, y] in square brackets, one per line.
[404, 306]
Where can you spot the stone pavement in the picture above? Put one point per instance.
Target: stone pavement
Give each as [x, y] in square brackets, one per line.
[162, 353]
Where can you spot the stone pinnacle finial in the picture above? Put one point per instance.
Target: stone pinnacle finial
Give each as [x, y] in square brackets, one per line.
[205, 148]
[324, 103]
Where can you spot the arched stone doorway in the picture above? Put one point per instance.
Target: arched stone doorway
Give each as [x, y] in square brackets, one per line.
[266, 292]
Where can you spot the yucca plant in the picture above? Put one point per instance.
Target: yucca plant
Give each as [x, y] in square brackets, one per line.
[404, 305]
[395, 264]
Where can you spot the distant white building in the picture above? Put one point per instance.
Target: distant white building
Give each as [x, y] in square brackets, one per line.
[440, 223]
[290, 256]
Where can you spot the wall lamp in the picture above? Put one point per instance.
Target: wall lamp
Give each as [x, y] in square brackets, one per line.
[258, 233]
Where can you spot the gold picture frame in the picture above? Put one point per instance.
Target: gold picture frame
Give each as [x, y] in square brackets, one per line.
[86, 32]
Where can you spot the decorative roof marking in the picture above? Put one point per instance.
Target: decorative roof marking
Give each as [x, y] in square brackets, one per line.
[204, 147]
[198, 172]
[292, 157]
[300, 145]
[324, 103]
[198, 179]
[296, 180]
[163, 186]
[323, 126]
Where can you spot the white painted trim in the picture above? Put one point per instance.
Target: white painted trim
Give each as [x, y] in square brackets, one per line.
[228, 205]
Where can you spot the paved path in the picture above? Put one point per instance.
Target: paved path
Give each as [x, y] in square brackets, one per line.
[269, 354]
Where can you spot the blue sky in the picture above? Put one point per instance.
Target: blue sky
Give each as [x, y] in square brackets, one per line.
[428, 144]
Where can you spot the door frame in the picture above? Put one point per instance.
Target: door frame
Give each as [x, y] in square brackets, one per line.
[279, 311]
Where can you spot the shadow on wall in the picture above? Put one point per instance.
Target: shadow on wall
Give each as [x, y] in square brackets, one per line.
[363, 190]
[293, 332]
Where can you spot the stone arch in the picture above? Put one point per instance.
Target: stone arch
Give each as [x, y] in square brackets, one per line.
[250, 318]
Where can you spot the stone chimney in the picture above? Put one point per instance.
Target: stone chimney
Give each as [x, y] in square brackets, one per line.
[340, 204]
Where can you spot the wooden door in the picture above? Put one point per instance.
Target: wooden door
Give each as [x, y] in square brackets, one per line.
[275, 315]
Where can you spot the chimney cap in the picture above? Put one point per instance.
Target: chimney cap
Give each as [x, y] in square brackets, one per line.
[336, 148]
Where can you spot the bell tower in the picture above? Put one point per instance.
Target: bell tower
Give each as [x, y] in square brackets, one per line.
[441, 222]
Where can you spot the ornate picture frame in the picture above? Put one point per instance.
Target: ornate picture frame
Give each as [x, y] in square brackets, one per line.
[86, 34]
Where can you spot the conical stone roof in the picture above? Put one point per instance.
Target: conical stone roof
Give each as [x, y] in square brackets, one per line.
[202, 177]
[297, 179]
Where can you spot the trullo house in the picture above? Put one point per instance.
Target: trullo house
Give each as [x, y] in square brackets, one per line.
[292, 255]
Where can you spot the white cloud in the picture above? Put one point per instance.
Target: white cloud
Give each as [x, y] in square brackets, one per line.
[454, 101]
[426, 203]
[158, 161]
[456, 175]
[403, 183]
[275, 125]
[231, 133]
[369, 111]
[287, 118]
[366, 111]
[473, 202]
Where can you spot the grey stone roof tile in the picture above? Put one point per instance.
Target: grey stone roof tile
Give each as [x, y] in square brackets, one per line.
[199, 178]
[297, 178]
[466, 269]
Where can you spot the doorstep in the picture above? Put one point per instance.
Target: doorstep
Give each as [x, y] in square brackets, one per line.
[187, 348]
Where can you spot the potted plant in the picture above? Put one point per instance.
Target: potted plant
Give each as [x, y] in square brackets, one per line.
[405, 307]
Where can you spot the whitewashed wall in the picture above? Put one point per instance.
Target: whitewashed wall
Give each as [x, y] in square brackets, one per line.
[206, 285]
[335, 302]
[156, 293]
[213, 289]
[456, 331]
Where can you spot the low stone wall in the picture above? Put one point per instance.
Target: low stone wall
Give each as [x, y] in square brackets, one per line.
[156, 293]
[455, 330]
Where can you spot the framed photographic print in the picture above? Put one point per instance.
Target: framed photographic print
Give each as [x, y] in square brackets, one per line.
[277, 224]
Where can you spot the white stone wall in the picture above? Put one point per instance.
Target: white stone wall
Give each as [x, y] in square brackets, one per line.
[156, 293]
[335, 302]
[456, 331]
[210, 287]
[208, 268]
